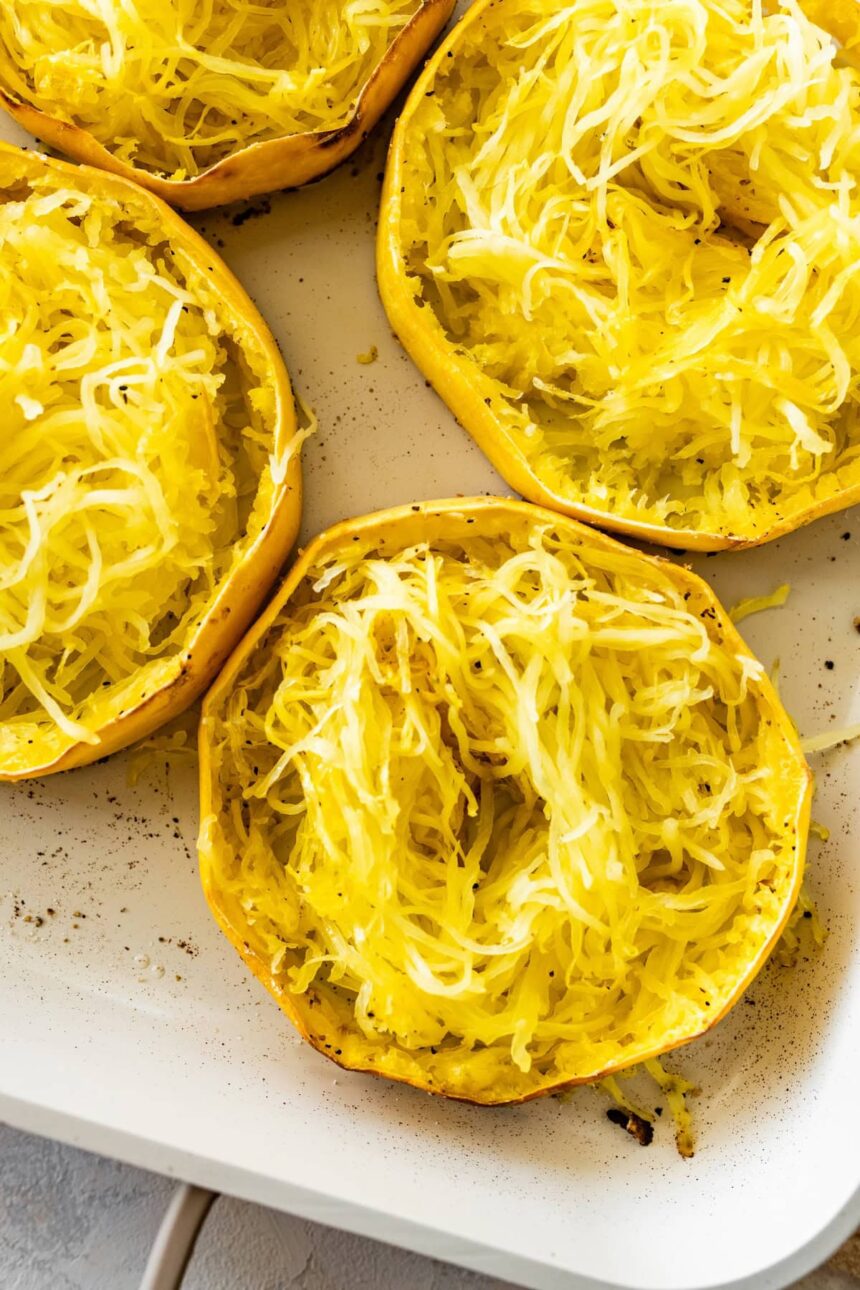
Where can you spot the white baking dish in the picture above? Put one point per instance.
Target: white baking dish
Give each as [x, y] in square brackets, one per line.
[129, 1026]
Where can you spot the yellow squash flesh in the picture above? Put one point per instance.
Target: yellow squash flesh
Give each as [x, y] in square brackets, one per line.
[628, 263]
[149, 464]
[276, 161]
[473, 815]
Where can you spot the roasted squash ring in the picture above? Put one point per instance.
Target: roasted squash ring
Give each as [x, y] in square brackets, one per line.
[622, 241]
[150, 485]
[493, 804]
[206, 103]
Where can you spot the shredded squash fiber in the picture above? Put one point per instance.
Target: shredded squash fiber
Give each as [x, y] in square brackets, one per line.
[499, 807]
[638, 225]
[136, 457]
[174, 86]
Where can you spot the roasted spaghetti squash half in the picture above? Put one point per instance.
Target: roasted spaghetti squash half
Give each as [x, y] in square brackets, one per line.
[622, 239]
[149, 469]
[493, 804]
[207, 101]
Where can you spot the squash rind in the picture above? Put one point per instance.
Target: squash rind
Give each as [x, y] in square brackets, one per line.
[287, 162]
[242, 590]
[472, 395]
[330, 1034]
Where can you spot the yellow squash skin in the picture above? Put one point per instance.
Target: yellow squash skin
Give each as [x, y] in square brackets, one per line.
[263, 167]
[329, 1025]
[473, 395]
[240, 592]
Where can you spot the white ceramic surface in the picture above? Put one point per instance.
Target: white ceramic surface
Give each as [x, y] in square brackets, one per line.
[70, 1220]
[130, 1027]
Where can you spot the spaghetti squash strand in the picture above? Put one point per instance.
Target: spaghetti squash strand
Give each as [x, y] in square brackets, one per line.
[134, 441]
[508, 797]
[654, 264]
[175, 86]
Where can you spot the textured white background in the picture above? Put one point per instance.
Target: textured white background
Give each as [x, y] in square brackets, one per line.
[73, 1221]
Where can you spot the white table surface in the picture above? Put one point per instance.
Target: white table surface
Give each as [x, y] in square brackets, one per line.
[74, 1221]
